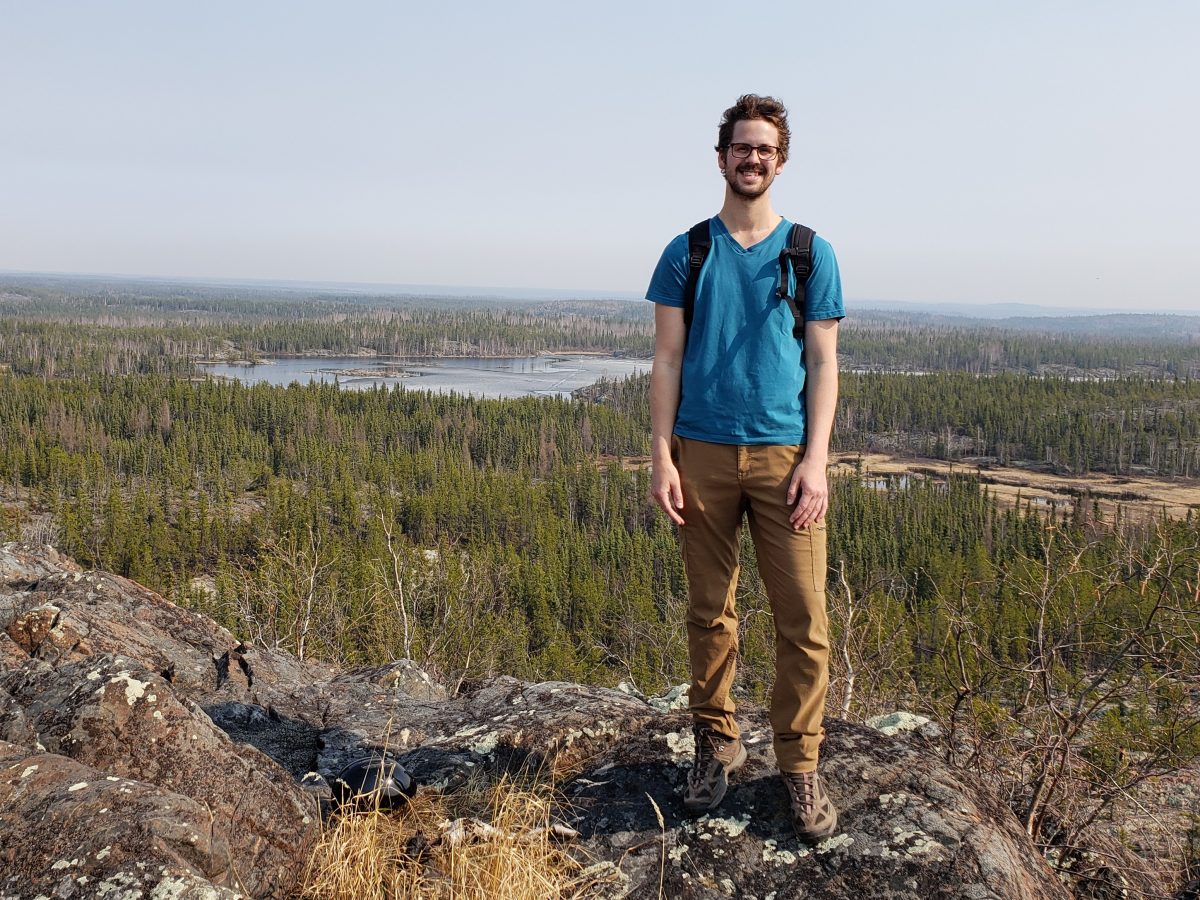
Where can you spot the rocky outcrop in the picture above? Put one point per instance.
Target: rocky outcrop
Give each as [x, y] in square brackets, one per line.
[109, 713]
[116, 779]
[71, 830]
[909, 826]
[143, 749]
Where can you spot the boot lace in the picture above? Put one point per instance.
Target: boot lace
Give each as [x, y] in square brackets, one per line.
[803, 788]
[708, 742]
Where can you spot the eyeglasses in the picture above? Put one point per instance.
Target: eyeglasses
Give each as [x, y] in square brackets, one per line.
[765, 151]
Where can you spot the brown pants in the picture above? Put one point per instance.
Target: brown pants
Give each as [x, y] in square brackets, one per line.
[721, 482]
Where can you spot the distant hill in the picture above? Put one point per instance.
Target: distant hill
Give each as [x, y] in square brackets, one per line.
[44, 293]
[993, 310]
[1116, 326]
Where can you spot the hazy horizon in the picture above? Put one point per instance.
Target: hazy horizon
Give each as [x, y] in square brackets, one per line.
[435, 291]
[952, 153]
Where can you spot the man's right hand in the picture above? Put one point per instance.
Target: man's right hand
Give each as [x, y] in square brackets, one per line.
[665, 489]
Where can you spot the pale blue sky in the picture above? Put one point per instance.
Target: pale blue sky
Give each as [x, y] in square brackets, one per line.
[1039, 152]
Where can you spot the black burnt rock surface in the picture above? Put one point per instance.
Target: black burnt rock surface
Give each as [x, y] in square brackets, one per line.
[910, 827]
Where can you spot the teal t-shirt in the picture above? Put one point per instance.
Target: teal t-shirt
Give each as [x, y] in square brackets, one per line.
[743, 371]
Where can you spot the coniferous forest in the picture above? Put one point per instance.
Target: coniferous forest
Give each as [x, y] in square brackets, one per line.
[1057, 650]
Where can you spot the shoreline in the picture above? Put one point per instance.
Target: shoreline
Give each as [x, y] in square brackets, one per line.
[275, 358]
[560, 374]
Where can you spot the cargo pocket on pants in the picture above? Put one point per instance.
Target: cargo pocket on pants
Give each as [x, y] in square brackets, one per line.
[819, 555]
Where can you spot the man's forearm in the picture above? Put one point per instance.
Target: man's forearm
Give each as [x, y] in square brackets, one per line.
[820, 394]
[664, 405]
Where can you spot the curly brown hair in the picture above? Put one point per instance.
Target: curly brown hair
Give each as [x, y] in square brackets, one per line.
[752, 106]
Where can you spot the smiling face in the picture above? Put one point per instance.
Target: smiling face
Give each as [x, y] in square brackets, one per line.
[751, 177]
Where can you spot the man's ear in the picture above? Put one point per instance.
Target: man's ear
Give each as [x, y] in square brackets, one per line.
[721, 161]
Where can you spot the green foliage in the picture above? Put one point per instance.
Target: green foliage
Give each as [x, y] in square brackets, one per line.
[10, 522]
[1071, 425]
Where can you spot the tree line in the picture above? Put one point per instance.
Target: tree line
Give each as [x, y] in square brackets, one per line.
[1069, 425]
[153, 327]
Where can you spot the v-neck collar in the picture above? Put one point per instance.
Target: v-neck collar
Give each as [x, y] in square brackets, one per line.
[753, 247]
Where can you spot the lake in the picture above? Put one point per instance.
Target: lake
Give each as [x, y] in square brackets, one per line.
[523, 376]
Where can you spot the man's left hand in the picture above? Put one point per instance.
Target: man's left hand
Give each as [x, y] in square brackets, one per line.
[810, 486]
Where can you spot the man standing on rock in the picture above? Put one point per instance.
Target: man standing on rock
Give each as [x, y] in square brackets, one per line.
[742, 401]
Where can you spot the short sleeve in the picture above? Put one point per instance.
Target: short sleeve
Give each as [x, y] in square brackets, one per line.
[670, 275]
[823, 291]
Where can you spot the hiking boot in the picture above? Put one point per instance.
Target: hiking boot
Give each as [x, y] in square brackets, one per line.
[813, 814]
[717, 757]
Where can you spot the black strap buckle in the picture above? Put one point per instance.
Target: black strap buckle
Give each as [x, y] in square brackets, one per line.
[800, 264]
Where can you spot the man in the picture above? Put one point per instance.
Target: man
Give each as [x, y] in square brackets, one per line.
[742, 413]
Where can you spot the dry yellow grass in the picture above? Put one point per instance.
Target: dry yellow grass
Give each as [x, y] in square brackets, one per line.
[492, 843]
[1140, 496]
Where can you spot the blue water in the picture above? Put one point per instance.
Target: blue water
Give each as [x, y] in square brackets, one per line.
[507, 377]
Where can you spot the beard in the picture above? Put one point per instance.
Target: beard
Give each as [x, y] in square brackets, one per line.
[765, 179]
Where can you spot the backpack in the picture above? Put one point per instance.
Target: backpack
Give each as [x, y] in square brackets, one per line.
[796, 257]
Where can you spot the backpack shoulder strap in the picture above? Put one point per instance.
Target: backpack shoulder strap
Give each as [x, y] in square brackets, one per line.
[796, 259]
[699, 243]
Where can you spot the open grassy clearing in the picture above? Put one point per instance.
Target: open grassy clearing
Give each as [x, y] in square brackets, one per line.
[1139, 496]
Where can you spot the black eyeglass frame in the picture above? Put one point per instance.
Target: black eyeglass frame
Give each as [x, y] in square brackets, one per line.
[765, 152]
